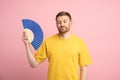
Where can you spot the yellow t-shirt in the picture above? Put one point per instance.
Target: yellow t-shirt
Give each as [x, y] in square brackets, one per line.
[64, 57]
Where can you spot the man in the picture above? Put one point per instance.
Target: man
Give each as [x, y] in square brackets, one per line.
[65, 52]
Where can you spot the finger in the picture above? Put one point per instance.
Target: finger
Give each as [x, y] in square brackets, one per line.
[25, 37]
[24, 32]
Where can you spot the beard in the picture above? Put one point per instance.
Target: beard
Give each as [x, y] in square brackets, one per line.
[63, 29]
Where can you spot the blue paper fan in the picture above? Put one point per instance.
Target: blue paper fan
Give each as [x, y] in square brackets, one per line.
[37, 31]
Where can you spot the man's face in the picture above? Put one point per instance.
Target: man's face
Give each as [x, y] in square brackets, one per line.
[63, 24]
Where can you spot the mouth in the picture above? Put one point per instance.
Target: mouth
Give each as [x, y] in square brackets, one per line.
[63, 28]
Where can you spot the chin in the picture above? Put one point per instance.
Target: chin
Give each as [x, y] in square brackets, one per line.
[63, 32]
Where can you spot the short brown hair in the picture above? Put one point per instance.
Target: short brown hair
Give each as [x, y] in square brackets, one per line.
[63, 13]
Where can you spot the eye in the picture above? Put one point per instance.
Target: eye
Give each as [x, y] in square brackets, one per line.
[65, 21]
[58, 22]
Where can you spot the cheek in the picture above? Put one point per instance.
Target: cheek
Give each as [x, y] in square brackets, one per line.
[58, 26]
[67, 25]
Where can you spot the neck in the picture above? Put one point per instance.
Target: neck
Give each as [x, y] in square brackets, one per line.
[65, 35]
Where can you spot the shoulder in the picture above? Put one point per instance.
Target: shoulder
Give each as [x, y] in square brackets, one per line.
[50, 38]
[80, 41]
[78, 38]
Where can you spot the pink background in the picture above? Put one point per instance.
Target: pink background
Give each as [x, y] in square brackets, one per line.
[95, 21]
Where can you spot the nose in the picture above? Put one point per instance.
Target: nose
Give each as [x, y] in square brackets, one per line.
[62, 23]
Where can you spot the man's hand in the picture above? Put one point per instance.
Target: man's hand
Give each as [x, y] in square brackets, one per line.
[33, 63]
[25, 37]
[83, 73]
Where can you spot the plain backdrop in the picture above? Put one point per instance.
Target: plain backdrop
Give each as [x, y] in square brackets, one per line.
[97, 22]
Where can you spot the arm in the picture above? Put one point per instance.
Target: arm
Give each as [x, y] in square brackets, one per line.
[33, 63]
[83, 73]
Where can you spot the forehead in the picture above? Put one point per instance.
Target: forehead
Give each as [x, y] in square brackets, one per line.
[59, 18]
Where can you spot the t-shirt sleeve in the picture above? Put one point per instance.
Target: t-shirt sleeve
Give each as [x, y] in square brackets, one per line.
[84, 56]
[41, 53]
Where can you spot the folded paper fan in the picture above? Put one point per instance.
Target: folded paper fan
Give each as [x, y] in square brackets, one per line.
[35, 33]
